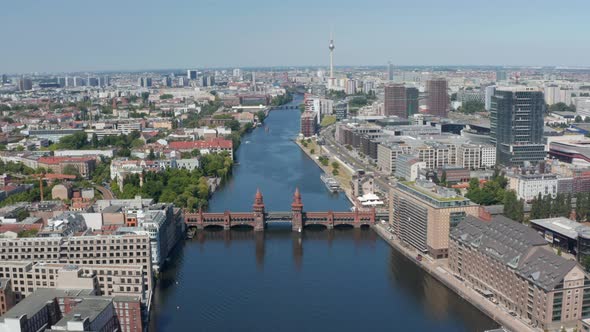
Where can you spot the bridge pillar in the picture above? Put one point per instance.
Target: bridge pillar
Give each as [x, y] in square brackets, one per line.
[357, 219]
[330, 219]
[199, 219]
[297, 222]
[226, 220]
[258, 208]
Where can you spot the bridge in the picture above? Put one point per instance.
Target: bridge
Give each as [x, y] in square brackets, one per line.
[284, 107]
[258, 218]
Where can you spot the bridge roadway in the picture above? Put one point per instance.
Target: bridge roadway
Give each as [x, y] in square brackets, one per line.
[258, 218]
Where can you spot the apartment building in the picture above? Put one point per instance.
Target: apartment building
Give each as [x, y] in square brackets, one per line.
[96, 251]
[529, 186]
[73, 310]
[387, 154]
[514, 264]
[111, 280]
[84, 165]
[423, 214]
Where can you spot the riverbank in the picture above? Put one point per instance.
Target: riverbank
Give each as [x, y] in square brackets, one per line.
[344, 176]
[437, 269]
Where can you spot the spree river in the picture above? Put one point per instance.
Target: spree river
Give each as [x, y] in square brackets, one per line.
[277, 280]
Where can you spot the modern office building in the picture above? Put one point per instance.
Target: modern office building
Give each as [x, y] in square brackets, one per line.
[489, 93]
[408, 167]
[25, 84]
[191, 74]
[501, 76]
[516, 125]
[512, 263]
[423, 214]
[390, 71]
[412, 101]
[394, 102]
[437, 100]
[308, 123]
[341, 110]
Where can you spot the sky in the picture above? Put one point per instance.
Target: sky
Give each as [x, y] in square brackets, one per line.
[104, 35]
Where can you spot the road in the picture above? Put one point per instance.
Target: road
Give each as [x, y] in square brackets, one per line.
[106, 193]
[343, 154]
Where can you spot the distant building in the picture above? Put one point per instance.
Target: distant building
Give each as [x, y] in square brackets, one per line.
[308, 123]
[437, 101]
[501, 76]
[394, 102]
[191, 74]
[408, 167]
[341, 110]
[25, 84]
[516, 119]
[390, 71]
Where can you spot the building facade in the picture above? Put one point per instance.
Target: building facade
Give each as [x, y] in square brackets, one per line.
[516, 125]
[513, 263]
[423, 214]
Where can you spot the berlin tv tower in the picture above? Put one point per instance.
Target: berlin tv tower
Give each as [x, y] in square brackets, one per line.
[331, 47]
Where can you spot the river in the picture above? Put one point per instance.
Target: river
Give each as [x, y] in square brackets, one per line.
[319, 280]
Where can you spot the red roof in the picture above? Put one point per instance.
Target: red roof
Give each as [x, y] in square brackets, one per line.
[216, 143]
[57, 160]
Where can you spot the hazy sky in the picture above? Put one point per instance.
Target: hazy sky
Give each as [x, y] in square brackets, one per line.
[70, 35]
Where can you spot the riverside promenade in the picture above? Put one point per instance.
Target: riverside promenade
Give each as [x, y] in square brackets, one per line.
[439, 271]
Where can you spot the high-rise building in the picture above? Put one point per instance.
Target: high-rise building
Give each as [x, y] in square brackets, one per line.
[390, 71]
[395, 101]
[489, 92]
[61, 81]
[437, 101]
[4, 79]
[104, 81]
[191, 74]
[501, 75]
[412, 96]
[237, 73]
[341, 110]
[308, 123]
[144, 82]
[25, 84]
[79, 81]
[351, 87]
[167, 81]
[516, 125]
[424, 213]
[92, 81]
[368, 86]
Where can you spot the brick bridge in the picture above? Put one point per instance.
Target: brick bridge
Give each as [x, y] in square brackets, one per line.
[259, 218]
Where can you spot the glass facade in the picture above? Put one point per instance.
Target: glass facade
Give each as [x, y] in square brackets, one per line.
[516, 125]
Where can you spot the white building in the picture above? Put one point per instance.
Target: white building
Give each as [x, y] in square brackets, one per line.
[488, 156]
[530, 186]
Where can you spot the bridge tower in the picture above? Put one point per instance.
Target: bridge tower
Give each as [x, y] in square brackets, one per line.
[297, 212]
[258, 208]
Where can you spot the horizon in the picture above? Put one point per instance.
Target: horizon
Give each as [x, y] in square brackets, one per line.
[69, 36]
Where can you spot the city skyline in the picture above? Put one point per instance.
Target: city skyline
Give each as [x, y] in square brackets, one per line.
[182, 34]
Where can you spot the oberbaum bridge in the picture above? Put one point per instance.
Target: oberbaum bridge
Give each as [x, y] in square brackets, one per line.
[299, 219]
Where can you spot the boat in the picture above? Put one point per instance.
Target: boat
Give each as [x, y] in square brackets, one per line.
[330, 183]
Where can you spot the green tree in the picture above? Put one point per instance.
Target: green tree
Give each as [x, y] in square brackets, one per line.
[233, 124]
[71, 170]
[472, 106]
[335, 165]
[513, 208]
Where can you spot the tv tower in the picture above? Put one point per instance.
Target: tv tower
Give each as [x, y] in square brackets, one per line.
[331, 47]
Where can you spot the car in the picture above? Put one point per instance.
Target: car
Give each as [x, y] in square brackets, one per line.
[512, 313]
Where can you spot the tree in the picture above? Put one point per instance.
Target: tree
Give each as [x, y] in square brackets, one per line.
[71, 170]
[561, 107]
[513, 208]
[166, 96]
[335, 172]
[472, 106]
[261, 115]
[558, 251]
[151, 155]
[312, 151]
[578, 119]
[443, 178]
[233, 124]
[335, 165]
